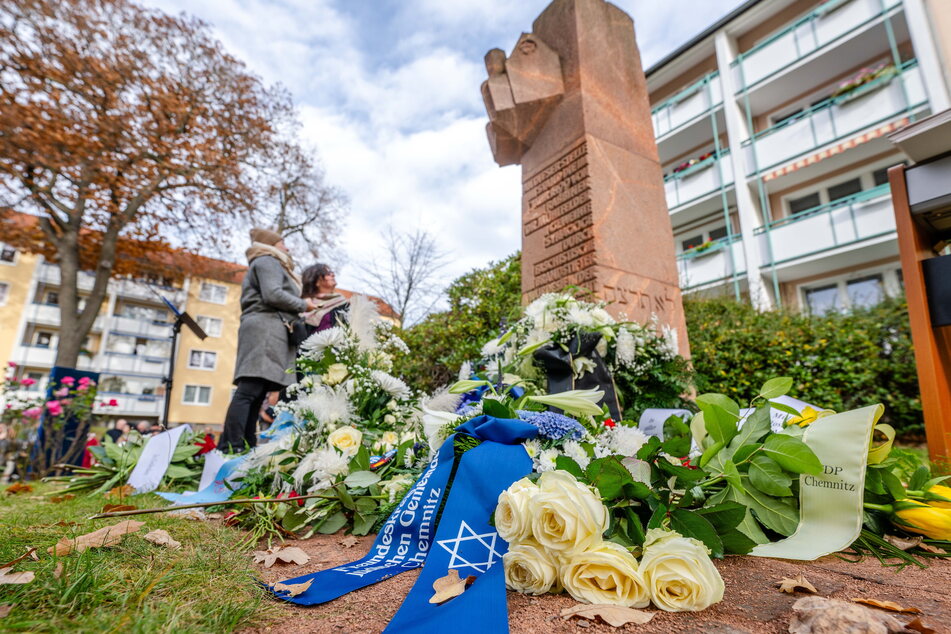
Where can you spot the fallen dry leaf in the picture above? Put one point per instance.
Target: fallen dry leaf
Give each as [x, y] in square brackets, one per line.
[292, 589]
[792, 585]
[818, 614]
[902, 543]
[57, 499]
[18, 487]
[449, 586]
[160, 537]
[30, 552]
[925, 546]
[58, 570]
[613, 615]
[62, 523]
[126, 490]
[5, 610]
[196, 515]
[349, 541]
[106, 536]
[214, 516]
[115, 508]
[891, 606]
[8, 577]
[917, 625]
[292, 555]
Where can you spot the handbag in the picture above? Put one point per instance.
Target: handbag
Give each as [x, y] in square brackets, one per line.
[296, 330]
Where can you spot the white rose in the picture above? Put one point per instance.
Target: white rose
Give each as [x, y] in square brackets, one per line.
[389, 419]
[529, 569]
[390, 438]
[566, 516]
[335, 374]
[678, 572]
[513, 519]
[347, 439]
[607, 574]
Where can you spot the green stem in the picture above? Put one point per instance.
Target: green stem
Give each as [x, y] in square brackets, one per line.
[879, 507]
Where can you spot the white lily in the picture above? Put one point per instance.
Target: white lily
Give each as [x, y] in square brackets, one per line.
[461, 387]
[433, 424]
[574, 401]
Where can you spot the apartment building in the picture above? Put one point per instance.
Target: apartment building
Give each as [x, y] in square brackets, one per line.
[130, 342]
[771, 129]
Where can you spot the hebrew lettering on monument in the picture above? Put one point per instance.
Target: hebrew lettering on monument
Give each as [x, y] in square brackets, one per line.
[570, 106]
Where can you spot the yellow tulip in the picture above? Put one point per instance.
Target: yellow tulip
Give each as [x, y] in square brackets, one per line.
[808, 416]
[923, 519]
[939, 495]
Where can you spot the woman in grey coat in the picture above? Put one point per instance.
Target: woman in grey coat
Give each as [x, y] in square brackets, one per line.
[270, 295]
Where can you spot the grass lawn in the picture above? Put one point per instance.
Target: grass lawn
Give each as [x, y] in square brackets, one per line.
[206, 586]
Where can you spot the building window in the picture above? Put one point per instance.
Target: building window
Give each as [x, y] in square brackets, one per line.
[202, 359]
[214, 293]
[805, 203]
[690, 243]
[844, 190]
[8, 254]
[4, 292]
[197, 395]
[43, 339]
[866, 291]
[211, 325]
[51, 298]
[717, 234]
[823, 299]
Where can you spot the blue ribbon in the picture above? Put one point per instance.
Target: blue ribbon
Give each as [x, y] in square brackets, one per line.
[462, 538]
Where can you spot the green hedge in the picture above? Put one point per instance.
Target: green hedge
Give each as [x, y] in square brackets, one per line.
[838, 361]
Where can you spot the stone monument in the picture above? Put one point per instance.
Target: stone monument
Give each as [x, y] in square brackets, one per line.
[570, 105]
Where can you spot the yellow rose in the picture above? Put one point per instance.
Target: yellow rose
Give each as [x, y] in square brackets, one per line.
[930, 521]
[335, 374]
[607, 574]
[678, 572]
[513, 519]
[566, 516]
[346, 439]
[390, 438]
[530, 569]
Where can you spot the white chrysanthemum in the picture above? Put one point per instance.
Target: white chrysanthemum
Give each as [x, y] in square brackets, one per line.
[533, 448]
[264, 455]
[579, 314]
[324, 465]
[314, 346]
[536, 336]
[670, 340]
[328, 405]
[626, 348]
[576, 452]
[390, 384]
[491, 348]
[624, 440]
[537, 308]
[546, 460]
[601, 317]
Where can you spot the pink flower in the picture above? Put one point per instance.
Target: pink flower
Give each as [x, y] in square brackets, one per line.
[55, 408]
[9, 405]
[28, 382]
[113, 402]
[67, 380]
[82, 388]
[11, 364]
[61, 392]
[33, 412]
[83, 380]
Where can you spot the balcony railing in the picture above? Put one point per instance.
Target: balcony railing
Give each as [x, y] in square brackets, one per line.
[50, 274]
[49, 315]
[133, 364]
[830, 22]
[687, 105]
[837, 118]
[44, 357]
[699, 181]
[141, 327]
[700, 267]
[848, 221]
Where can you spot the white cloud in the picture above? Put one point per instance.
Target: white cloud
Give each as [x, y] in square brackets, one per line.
[389, 95]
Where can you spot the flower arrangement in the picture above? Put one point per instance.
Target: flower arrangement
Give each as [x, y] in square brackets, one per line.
[864, 76]
[694, 161]
[643, 359]
[354, 438]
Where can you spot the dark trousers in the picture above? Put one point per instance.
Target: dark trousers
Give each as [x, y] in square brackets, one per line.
[241, 421]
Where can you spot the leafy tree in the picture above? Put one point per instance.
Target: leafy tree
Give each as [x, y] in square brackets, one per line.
[119, 128]
[479, 303]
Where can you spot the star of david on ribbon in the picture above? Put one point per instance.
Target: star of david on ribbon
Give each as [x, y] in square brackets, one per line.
[486, 539]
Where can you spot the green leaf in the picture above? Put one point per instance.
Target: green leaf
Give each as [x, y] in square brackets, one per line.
[917, 481]
[782, 407]
[732, 475]
[361, 479]
[498, 409]
[685, 477]
[564, 463]
[361, 461]
[745, 451]
[736, 543]
[363, 524]
[177, 471]
[650, 449]
[690, 524]
[776, 514]
[894, 485]
[657, 517]
[720, 415]
[344, 495]
[792, 454]
[710, 452]
[295, 520]
[609, 476]
[754, 428]
[776, 387]
[724, 516]
[635, 530]
[365, 505]
[874, 482]
[333, 523]
[767, 476]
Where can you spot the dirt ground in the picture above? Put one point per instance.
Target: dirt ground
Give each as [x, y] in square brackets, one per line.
[751, 603]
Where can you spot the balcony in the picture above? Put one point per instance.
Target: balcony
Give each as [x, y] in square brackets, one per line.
[129, 404]
[698, 181]
[49, 274]
[35, 356]
[846, 224]
[687, 105]
[837, 118]
[713, 264]
[799, 53]
[133, 364]
[147, 292]
[141, 327]
[49, 315]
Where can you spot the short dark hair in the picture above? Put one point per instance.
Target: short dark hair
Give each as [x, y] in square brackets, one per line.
[310, 276]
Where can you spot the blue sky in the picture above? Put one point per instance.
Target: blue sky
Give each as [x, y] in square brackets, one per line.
[388, 92]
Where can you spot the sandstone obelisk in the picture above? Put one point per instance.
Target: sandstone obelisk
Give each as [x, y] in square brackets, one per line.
[570, 105]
